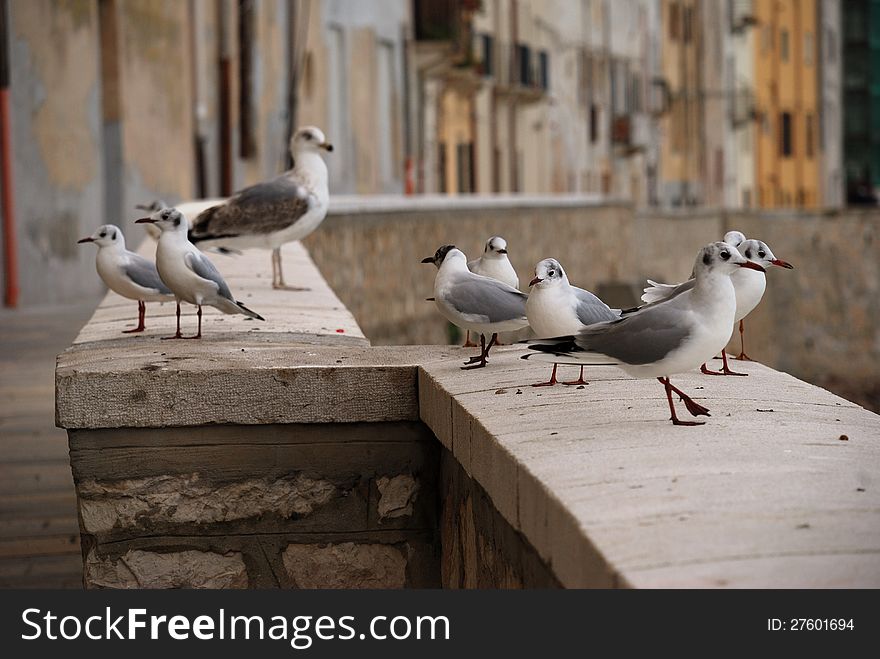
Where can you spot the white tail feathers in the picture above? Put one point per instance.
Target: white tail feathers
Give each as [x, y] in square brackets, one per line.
[657, 291]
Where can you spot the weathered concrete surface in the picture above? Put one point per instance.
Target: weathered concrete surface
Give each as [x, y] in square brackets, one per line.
[611, 494]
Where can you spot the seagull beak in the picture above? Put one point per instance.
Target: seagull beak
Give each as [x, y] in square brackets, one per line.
[145, 220]
[428, 259]
[326, 146]
[782, 264]
[752, 266]
[86, 240]
[534, 281]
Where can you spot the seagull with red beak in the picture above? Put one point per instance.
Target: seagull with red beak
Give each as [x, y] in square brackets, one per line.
[663, 338]
[749, 286]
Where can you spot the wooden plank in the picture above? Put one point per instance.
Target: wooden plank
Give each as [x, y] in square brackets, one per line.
[25, 526]
[65, 543]
[53, 571]
[275, 434]
[37, 504]
[33, 477]
[33, 446]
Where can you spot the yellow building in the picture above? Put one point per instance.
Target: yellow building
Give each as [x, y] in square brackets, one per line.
[681, 150]
[786, 94]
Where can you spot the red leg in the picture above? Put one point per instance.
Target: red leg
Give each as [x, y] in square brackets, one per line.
[692, 406]
[549, 382]
[673, 417]
[743, 357]
[177, 334]
[467, 341]
[705, 370]
[142, 308]
[726, 369]
[579, 381]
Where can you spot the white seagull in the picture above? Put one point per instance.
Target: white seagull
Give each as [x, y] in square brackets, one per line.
[663, 338]
[556, 308]
[476, 303]
[270, 214]
[126, 273]
[748, 284]
[187, 272]
[493, 263]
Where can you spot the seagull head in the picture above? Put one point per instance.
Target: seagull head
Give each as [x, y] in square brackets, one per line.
[308, 139]
[107, 235]
[723, 258]
[153, 206]
[735, 238]
[168, 220]
[548, 273]
[758, 252]
[496, 247]
[442, 254]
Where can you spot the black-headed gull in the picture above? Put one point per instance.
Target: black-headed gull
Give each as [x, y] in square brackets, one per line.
[473, 302]
[126, 273]
[188, 272]
[664, 338]
[556, 308]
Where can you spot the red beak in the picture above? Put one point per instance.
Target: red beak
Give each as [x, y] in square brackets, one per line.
[145, 220]
[782, 264]
[535, 281]
[85, 240]
[752, 266]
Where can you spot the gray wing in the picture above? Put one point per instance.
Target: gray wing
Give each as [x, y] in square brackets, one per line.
[491, 299]
[657, 293]
[642, 337]
[200, 265]
[590, 309]
[262, 208]
[143, 273]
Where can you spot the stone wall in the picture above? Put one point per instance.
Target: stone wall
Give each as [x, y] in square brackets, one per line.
[294, 506]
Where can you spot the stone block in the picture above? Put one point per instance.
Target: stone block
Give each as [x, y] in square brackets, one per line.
[345, 565]
[180, 569]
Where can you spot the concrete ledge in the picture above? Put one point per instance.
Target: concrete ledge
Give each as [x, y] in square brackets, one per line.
[610, 494]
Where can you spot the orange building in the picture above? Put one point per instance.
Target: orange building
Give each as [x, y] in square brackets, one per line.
[786, 95]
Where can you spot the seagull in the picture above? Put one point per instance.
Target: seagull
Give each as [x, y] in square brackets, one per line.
[187, 272]
[152, 207]
[556, 308]
[126, 273]
[476, 303]
[667, 337]
[748, 284]
[270, 214]
[495, 264]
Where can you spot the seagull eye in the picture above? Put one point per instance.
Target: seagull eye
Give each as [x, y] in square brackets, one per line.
[725, 255]
[762, 254]
[551, 273]
[103, 234]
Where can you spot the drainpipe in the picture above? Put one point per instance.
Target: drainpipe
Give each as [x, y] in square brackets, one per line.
[10, 246]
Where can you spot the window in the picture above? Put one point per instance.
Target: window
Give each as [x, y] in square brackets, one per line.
[524, 60]
[808, 48]
[465, 165]
[247, 141]
[487, 43]
[688, 24]
[786, 149]
[441, 167]
[543, 70]
[809, 140]
[674, 19]
[783, 45]
[594, 123]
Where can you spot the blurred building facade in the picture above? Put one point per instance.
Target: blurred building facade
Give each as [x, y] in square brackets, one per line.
[663, 103]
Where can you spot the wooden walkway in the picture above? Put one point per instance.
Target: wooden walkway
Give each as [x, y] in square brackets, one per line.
[39, 532]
